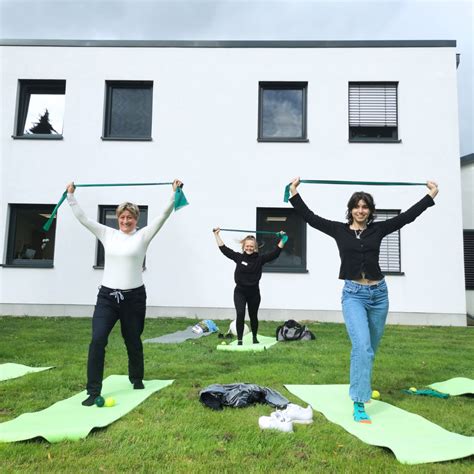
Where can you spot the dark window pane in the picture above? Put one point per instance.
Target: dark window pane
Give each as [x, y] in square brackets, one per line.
[469, 258]
[129, 110]
[293, 255]
[41, 107]
[108, 218]
[28, 244]
[282, 110]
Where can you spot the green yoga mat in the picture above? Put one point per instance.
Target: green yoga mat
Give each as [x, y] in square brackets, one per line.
[264, 343]
[454, 387]
[69, 420]
[12, 371]
[412, 438]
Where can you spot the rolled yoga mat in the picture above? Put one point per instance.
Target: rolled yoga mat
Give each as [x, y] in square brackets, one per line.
[265, 342]
[455, 386]
[12, 371]
[412, 438]
[69, 420]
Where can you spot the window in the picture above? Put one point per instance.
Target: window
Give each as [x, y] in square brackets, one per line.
[128, 107]
[282, 111]
[293, 256]
[40, 111]
[28, 244]
[108, 218]
[389, 258]
[469, 258]
[373, 115]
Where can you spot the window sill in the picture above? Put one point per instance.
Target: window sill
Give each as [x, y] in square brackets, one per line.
[283, 140]
[374, 140]
[21, 265]
[284, 270]
[126, 139]
[97, 267]
[394, 273]
[37, 136]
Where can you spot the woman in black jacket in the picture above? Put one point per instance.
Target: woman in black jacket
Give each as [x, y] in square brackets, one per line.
[248, 272]
[365, 295]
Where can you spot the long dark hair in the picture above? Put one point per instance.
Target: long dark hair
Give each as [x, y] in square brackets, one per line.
[354, 200]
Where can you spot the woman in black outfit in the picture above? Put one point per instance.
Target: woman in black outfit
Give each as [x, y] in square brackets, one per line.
[365, 295]
[248, 272]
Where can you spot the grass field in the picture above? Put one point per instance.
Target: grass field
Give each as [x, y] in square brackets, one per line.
[173, 432]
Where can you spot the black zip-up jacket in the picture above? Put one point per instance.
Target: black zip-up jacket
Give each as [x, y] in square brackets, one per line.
[360, 256]
[248, 270]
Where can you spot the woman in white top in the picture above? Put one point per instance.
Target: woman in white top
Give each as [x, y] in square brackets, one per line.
[122, 295]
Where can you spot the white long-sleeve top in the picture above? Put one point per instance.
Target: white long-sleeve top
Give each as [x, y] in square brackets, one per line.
[124, 253]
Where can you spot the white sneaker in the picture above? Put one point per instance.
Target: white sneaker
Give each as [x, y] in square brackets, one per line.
[296, 414]
[274, 423]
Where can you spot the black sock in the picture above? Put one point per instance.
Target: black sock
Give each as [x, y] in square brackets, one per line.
[138, 385]
[239, 343]
[255, 340]
[90, 400]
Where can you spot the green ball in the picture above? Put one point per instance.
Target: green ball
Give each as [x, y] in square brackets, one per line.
[375, 394]
[412, 389]
[99, 401]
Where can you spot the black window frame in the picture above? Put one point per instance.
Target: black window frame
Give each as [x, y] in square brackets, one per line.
[109, 86]
[468, 246]
[261, 214]
[353, 110]
[102, 210]
[389, 242]
[27, 87]
[280, 85]
[10, 260]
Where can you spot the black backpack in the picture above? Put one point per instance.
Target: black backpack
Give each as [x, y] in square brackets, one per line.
[293, 331]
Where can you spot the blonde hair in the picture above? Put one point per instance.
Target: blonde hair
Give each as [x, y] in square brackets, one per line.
[253, 239]
[130, 207]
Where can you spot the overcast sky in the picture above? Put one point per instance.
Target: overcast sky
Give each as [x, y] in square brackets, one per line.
[255, 20]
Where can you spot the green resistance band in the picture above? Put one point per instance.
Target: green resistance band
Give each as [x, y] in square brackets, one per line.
[179, 197]
[286, 197]
[284, 237]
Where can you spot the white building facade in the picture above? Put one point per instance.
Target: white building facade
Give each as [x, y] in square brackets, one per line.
[235, 121]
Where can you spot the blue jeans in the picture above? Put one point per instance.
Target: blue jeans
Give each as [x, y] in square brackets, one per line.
[365, 309]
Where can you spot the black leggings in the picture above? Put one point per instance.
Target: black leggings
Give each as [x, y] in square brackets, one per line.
[128, 307]
[247, 296]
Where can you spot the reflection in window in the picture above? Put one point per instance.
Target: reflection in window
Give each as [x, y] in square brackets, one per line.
[41, 108]
[282, 111]
[28, 243]
[293, 256]
[128, 109]
[107, 217]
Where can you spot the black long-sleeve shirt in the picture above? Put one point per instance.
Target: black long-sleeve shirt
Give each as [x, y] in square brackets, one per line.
[360, 256]
[248, 269]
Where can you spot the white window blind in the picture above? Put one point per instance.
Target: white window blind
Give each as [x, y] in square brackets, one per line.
[389, 258]
[372, 104]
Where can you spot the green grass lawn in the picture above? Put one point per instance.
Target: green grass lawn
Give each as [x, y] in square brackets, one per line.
[172, 432]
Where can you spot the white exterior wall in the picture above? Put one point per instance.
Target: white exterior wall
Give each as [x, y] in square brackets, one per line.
[467, 184]
[204, 129]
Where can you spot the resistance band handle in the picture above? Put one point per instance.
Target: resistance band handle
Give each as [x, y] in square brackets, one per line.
[179, 197]
[286, 195]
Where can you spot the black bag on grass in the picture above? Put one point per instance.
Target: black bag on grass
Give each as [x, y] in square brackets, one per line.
[293, 331]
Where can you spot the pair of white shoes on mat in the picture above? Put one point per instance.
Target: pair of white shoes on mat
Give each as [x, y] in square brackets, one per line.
[282, 420]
